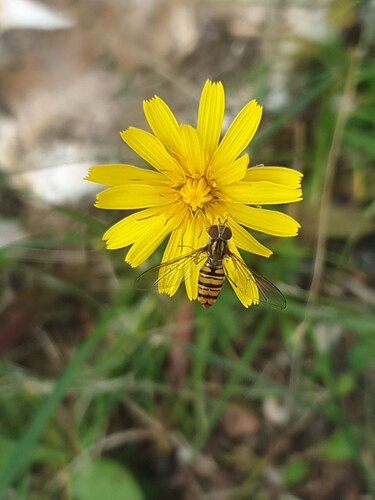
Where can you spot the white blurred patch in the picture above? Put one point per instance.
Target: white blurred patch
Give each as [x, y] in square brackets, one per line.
[309, 22]
[278, 96]
[10, 231]
[327, 335]
[52, 138]
[32, 15]
[184, 32]
[276, 412]
[8, 140]
[59, 184]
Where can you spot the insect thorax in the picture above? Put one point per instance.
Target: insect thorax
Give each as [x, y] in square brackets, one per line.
[217, 249]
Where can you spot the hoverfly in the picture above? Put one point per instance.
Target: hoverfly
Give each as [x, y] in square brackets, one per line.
[215, 258]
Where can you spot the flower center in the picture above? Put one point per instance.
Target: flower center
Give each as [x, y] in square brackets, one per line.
[196, 192]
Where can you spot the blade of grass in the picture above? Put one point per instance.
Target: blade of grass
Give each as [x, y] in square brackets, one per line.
[87, 220]
[242, 364]
[21, 454]
[298, 105]
[204, 340]
[337, 414]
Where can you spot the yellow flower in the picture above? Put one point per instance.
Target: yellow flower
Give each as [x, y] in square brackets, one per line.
[196, 181]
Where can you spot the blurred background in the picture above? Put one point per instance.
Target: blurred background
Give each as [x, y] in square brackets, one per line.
[108, 392]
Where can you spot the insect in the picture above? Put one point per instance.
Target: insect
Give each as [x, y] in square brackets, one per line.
[216, 258]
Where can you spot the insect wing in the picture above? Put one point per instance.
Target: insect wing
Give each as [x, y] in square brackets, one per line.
[244, 279]
[269, 293]
[170, 274]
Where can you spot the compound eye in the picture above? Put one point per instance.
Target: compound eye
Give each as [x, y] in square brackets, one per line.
[213, 232]
[226, 233]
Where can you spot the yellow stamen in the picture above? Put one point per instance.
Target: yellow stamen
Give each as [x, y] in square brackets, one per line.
[196, 193]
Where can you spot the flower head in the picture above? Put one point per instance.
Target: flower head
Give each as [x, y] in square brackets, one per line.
[196, 180]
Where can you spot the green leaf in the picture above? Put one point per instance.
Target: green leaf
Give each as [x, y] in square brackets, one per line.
[361, 355]
[296, 471]
[6, 448]
[361, 141]
[337, 447]
[104, 478]
[345, 383]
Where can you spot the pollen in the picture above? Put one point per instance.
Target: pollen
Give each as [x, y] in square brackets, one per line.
[196, 193]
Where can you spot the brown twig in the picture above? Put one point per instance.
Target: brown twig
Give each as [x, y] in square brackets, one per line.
[342, 116]
[324, 209]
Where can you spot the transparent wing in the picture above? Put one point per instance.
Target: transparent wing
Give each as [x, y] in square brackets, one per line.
[169, 273]
[269, 294]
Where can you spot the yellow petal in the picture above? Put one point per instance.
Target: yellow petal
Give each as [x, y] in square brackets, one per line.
[184, 263]
[117, 174]
[244, 287]
[130, 228]
[195, 237]
[246, 241]
[170, 277]
[155, 231]
[229, 173]
[192, 151]
[151, 149]
[215, 213]
[238, 135]
[163, 124]
[259, 193]
[135, 197]
[280, 175]
[265, 221]
[148, 242]
[210, 116]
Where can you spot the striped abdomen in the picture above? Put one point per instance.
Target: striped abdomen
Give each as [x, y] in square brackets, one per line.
[210, 281]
